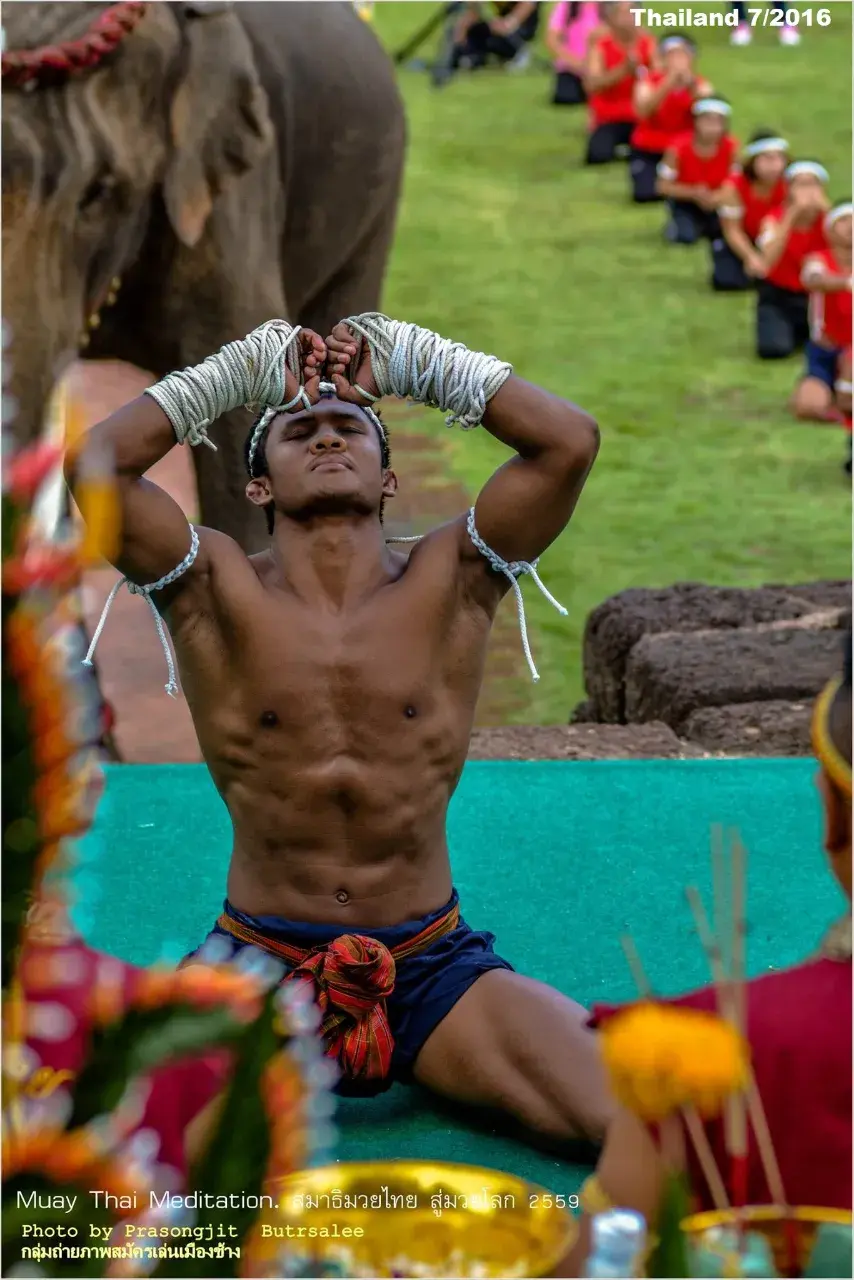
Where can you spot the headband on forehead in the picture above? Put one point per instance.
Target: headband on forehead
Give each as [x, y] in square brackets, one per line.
[676, 42]
[762, 145]
[833, 762]
[708, 106]
[327, 391]
[807, 166]
[844, 210]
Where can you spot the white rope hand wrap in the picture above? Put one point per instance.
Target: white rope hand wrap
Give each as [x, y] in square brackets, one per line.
[514, 570]
[247, 373]
[145, 592]
[416, 364]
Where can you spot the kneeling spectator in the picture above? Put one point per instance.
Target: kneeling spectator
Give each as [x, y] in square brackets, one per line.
[826, 275]
[615, 51]
[787, 237]
[693, 172]
[749, 195]
[505, 36]
[569, 29]
[663, 102]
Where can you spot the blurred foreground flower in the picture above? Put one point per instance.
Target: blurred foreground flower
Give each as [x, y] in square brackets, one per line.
[662, 1058]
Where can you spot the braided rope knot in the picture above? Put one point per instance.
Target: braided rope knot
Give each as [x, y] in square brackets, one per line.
[145, 591]
[24, 68]
[513, 570]
[351, 979]
[251, 372]
[414, 363]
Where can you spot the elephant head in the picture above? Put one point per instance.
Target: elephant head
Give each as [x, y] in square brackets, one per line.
[156, 128]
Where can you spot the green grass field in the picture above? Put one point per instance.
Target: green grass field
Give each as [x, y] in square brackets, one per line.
[506, 243]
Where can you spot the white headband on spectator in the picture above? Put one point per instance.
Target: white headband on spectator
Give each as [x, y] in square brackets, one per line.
[840, 211]
[676, 42]
[707, 106]
[807, 166]
[762, 145]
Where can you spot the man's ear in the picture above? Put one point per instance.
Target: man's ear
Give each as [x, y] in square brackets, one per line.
[258, 491]
[389, 484]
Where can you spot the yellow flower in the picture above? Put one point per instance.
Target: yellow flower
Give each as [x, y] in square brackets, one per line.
[662, 1058]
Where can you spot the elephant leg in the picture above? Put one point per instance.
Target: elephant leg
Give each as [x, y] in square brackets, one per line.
[357, 285]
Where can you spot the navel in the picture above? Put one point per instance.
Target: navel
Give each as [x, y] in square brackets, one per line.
[269, 719]
[410, 712]
[343, 897]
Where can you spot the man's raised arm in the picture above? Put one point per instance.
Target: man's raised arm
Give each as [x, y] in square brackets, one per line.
[529, 500]
[268, 367]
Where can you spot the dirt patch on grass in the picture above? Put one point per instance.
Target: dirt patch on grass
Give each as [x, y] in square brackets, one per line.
[152, 728]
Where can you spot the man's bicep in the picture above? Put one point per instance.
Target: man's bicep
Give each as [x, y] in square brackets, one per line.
[528, 503]
[155, 535]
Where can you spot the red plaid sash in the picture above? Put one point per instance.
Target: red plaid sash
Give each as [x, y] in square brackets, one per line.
[351, 978]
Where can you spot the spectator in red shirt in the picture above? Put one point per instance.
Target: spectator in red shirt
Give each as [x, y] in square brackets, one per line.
[663, 103]
[614, 53]
[826, 274]
[693, 172]
[750, 193]
[787, 237]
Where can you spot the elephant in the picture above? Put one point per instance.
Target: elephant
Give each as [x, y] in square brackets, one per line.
[221, 165]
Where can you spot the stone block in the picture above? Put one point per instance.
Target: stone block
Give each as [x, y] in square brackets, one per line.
[670, 676]
[618, 624]
[580, 742]
[752, 729]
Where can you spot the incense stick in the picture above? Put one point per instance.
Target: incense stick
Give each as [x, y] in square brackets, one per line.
[764, 1143]
[705, 1156]
[633, 960]
[737, 1102]
[693, 1123]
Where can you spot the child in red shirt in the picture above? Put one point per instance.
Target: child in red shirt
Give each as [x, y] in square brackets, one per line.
[787, 237]
[692, 174]
[614, 53]
[826, 274]
[750, 194]
[663, 103]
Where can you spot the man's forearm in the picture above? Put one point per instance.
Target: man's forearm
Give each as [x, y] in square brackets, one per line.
[772, 249]
[536, 423]
[135, 437]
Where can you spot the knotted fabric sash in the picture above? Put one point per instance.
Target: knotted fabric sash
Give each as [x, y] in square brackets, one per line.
[351, 979]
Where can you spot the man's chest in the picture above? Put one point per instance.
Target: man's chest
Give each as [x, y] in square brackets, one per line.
[287, 665]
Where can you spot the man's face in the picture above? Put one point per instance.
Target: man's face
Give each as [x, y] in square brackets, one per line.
[679, 61]
[710, 127]
[770, 166]
[323, 460]
[839, 233]
[618, 14]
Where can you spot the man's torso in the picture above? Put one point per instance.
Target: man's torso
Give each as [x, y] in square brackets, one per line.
[335, 736]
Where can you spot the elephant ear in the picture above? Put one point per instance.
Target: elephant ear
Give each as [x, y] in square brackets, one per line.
[220, 122]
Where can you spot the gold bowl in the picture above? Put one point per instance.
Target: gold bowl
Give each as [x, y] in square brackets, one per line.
[770, 1220]
[414, 1218]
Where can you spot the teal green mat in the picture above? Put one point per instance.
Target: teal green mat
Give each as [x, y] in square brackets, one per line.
[558, 860]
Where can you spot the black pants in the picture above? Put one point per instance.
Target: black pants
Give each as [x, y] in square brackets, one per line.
[643, 171]
[689, 223]
[480, 43]
[728, 273]
[782, 321]
[605, 139]
[568, 90]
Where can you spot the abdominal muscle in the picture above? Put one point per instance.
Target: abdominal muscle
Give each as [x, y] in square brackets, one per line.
[339, 838]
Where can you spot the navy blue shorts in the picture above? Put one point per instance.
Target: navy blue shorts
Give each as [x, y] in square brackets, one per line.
[427, 985]
[821, 363]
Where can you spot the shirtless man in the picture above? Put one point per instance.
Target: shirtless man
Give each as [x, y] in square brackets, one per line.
[332, 683]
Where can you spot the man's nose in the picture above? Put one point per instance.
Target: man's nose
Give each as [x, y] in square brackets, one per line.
[327, 441]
